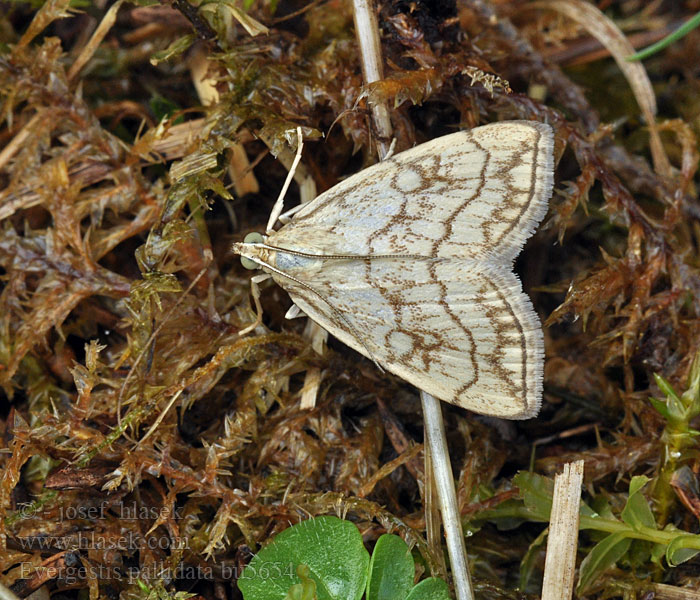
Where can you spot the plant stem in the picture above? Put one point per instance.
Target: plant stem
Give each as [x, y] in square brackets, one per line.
[442, 471]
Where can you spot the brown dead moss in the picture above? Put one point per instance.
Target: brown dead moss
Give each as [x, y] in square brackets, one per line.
[136, 416]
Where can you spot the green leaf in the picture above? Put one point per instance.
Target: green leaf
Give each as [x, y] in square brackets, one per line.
[176, 48]
[306, 590]
[637, 512]
[603, 556]
[637, 483]
[391, 569]
[674, 407]
[587, 511]
[529, 561]
[430, 589]
[601, 507]
[666, 388]
[330, 547]
[658, 551]
[672, 37]
[537, 492]
[677, 551]
[661, 408]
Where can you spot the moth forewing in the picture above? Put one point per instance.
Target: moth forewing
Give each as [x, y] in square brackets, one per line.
[409, 263]
[475, 194]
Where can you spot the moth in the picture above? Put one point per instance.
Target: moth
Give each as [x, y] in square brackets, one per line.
[410, 263]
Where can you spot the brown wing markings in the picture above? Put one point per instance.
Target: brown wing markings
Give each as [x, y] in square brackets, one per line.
[429, 176]
[516, 161]
[424, 341]
[508, 204]
[467, 332]
[449, 223]
[420, 349]
[520, 391]
[396, 304]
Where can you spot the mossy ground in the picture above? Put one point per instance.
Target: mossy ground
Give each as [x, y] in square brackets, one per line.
[126, 384]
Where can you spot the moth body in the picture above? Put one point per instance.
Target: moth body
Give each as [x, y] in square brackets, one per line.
[274, 261]
[409, 262]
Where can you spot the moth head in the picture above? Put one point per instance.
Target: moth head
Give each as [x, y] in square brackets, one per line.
[247, 249]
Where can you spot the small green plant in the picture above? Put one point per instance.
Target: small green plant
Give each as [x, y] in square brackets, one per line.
[679, 439]
[635, 536]
[155, 590]
[324, 559]
[633, 539]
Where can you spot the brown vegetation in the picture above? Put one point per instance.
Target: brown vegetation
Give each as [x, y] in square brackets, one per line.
[127, 384]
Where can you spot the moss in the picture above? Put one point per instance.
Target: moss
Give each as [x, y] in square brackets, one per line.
[135, 415]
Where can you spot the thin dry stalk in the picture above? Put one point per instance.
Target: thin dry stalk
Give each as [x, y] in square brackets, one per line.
[663, 591]
[560, 563]
[367, 33]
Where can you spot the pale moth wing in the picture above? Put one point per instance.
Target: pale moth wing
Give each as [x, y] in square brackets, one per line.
[421, 276]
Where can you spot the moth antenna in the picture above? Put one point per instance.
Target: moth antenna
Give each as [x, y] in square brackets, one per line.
[279, 203]
[344, 256]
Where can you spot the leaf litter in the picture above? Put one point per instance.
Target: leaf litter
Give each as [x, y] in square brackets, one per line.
[143, 436]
